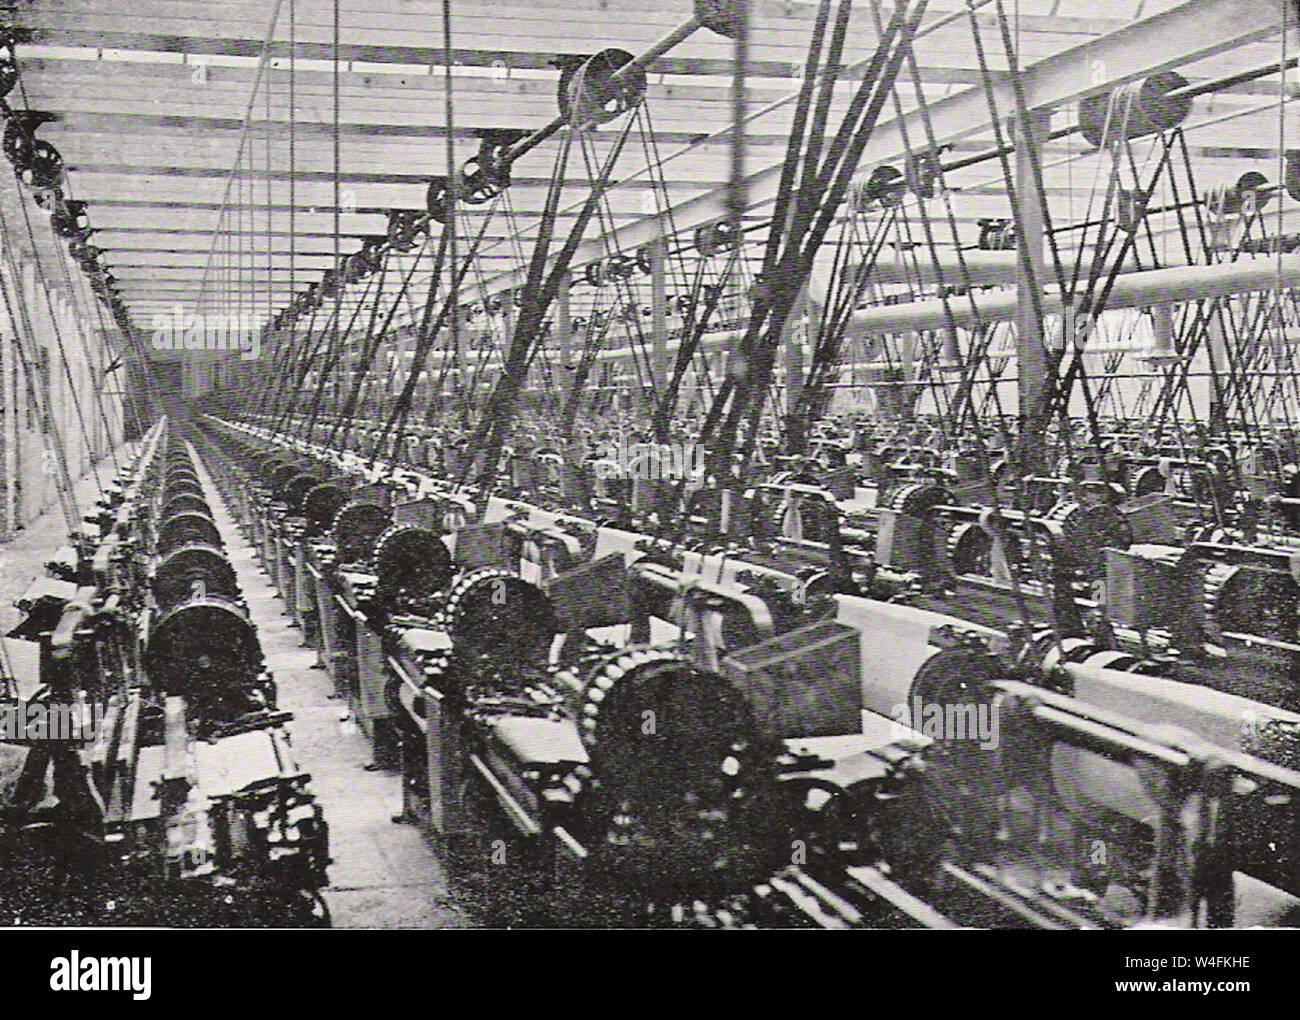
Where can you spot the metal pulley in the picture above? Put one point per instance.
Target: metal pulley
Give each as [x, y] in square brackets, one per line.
[1247, 196]
[487, 173]
[193, 571]
[620, 267]
[715, 238]
[1136, 109]
[411, 564]
[361, 264]
[1130, 209]
[884, 189]
[312, 298]
[721, 16]
[437, 199]
[404, 227]
[594, 273]
[37, 163]
[1291, 178]
[568, 65]
[69, 220]
[643, 260]
[43, 168]
[598, 93]
[996, 235]
[922, 172]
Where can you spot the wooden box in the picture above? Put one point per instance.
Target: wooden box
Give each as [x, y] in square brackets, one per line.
[803, 683]
[592, 595]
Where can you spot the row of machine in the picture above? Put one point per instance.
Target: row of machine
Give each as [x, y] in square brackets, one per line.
[801, 703]
[148, 776]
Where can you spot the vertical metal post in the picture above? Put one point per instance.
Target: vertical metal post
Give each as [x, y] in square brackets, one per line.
[658, 320]
[1030, 353]
[793, 340]
[509, 317]
[564, 321]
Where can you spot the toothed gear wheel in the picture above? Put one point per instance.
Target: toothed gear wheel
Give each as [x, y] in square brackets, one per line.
[295, 491]
[184, 485]
[207, 651]
[1250, 600]
[970, 550]
[193, 571]
[411, 563]
[1085, 532]
[356, 527]
[321, 504]
[185, 503]
[679, 778]
[818, 520]
[916, 499]
[496, 613]
[187, 529]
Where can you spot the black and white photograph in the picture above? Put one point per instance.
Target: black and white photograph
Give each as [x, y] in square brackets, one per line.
[650, 465]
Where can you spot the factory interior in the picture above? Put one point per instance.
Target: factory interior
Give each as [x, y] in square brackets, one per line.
[650, 464]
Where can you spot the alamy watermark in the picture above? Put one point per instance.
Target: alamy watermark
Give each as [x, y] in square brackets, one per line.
[190, 331]
[649, 461]
[24, 721]
[944, 722]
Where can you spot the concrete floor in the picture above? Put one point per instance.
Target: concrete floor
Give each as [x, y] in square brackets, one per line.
[384, 875]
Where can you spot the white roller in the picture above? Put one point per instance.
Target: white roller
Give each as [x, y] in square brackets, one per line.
[1133, 290]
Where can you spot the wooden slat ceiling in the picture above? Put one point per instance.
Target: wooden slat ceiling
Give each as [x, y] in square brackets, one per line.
[151, 96]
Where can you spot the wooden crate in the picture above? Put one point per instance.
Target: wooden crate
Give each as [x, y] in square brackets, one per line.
[1145, 590]
[804, 683]
[592, 594]
[1152, 518]
[481, 545]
